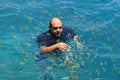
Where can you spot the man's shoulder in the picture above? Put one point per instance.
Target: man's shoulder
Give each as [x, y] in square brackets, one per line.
[44, 34]
[42, 37]
[67, 29]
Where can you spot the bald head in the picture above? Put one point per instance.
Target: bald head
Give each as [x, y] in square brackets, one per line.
[56, 22]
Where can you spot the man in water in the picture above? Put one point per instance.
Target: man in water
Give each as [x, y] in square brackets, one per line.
[54, 41]
[55, 38]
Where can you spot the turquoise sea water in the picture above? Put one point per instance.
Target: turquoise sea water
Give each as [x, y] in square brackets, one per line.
[97, 24]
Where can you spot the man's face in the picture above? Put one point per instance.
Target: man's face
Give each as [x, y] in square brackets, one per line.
[56, 30]
[56, 27]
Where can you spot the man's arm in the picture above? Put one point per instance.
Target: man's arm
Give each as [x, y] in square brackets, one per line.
[77, 42]
[62, 46]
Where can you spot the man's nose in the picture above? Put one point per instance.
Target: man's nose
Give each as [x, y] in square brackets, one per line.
[58, 29]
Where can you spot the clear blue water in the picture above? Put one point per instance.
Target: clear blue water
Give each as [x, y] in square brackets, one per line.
[96, 22]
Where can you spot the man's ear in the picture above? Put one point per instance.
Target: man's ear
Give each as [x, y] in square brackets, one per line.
[48, 26]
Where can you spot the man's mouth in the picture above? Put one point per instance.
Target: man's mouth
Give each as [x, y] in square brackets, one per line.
[58, 34]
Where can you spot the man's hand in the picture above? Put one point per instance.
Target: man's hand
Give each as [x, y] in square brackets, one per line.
[79, 45]
[62, 46]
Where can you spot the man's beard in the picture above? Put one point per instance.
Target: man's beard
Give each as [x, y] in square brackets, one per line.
[58, 34]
